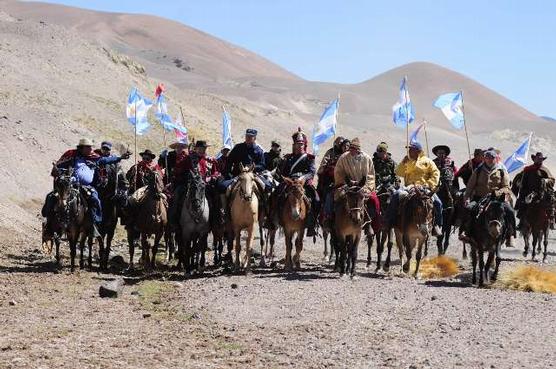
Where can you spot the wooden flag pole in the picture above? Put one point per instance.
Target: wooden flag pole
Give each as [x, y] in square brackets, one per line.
[406, 118]
[465, 127]
[426, 136]
[135, 152]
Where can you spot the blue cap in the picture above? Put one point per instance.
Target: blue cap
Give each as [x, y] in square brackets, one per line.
[251, 132]
[416, 145]
[106, 144]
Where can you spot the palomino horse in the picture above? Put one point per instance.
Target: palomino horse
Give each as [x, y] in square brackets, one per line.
[384, 234]
[148, 213]
[488, 232]
[293, 215]
[536, 223]
[244, 213]
[73, 216]
[111, 200]
[414, 224]
[194, 223]
[349, 220]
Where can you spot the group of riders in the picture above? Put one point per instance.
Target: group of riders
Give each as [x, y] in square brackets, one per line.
[483, 175]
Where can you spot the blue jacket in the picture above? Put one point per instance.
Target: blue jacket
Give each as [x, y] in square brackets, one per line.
[246, 155]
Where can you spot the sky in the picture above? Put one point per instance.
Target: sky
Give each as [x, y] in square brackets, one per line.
[509, 46]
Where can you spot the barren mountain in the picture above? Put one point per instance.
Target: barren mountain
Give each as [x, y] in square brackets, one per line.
[66, 73]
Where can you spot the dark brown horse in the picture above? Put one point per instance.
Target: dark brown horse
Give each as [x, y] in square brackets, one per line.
[415, 223]
[384, 234]
[293, 215]
[536, 223]
[348, 222]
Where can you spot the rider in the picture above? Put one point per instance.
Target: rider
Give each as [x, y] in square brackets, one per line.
[273, 157]
[301, 165]
[84, 163]
[179, 152]
[326, 176]
[208, 169]
[222, 158]
[385, 166]
[417, 170]
[467, 169]
[490, 177]
[445, 165]
[356, 165]
[536, 178]
[136, 173]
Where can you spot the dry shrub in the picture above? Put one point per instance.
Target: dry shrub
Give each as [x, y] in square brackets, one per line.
[529, 278]
[437, 267]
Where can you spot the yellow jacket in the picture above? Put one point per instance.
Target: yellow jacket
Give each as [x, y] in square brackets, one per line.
[422, 171]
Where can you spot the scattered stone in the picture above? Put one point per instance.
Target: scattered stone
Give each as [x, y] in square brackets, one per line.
[112, 288]
[433, 298]
[234, 286]
[146, 315]
[13, 302]
[135, 293]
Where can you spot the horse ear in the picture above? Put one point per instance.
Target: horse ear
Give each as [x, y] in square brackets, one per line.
[288, 181]
[241, 167]
[251, 167]
[273, 172]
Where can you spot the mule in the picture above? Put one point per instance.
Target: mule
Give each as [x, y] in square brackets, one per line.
[244, 210]
[348, 223]
[194, 224]
[148, 217]
[536, 224]
[385, 234]
[414, 225]
[293, 215]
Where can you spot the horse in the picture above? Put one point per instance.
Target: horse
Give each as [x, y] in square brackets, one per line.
[268, 221]
[488, 232]
[220, 230]
[195, 224]
[293, 215]
[330, 250]
[446, 195]
[414, 225]
[536, 223]
[149, 215]
[459, 217]
[244, 212]
[73, 216]
[384, 234]
[349, 220]
[111, 201]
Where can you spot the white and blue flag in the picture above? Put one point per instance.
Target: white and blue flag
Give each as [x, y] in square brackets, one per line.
[519, 157]
[136, 111]
[415, 135]
[227, 130]
[403, 111]
[326, 126]
[162, 114]
[451, 105]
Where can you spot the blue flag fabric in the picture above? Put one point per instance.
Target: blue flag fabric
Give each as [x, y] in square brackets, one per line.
[403, 111]
[325, 128]
[415, 135]
[227, 130]
[451, 105]
[162, 114]
[136, 111]
[518, 159]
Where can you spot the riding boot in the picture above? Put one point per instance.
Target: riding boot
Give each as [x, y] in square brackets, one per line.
[310, 225]
[436, 231]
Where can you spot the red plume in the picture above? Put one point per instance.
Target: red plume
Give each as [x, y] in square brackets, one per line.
[160, 89]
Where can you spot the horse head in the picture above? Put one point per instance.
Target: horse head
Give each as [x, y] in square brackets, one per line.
[63, 186]
[295, 196]
[494, 216]
[419, 206]
[196, 190]
[246, 182]
[355, 200]
[153, 181]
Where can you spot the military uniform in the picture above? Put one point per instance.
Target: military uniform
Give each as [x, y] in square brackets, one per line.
[384, 170]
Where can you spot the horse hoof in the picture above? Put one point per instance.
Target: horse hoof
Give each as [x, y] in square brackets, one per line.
[524, 254]
[344, 277]
[354, 277]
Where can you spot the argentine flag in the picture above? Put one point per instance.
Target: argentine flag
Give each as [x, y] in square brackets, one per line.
[136, 111]
[414, 136]
[227, 130]
[162, 113]
[451, 105]
[403, 108]
[519, 157]
[326, 126]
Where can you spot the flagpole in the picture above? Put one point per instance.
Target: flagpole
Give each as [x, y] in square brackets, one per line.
[426, 135]
[337, 115]
[135, 152]
[465, 127]
[406, 93]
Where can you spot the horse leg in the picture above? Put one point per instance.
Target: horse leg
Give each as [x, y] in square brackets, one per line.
[447, 238]
[248, 245]
[81, 250]
[108, 248]
[380, 238]
[474, 265]
[90, 256]
[354, 247]
[481, 267]
[418, 254]
[73, 252]
[237, 249]
[157, 238]
[408, 251]
[131, 245]
[264, 248]
[342, 244]
[325, 238]
[57, 242]
[526, 242]
[464, 252]
[288, 261]
[388, 239]
[298, 248]
[488, 264]
[369, 244]
[497, 265]
[145, 257]
[534, 245]
[545, 242]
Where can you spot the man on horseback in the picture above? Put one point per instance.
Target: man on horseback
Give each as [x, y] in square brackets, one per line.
[173, 158]
[222, 158]
[385, 166]
[84, 163]
[325, 173]
[536, 178]
[490, 177]
[273, 157]
[467, 169]
[136, 174]
[300, 165]
[445, 165]
[417, 169]
[357, 166]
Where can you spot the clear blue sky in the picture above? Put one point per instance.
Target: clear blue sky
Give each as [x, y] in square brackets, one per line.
[510, 46]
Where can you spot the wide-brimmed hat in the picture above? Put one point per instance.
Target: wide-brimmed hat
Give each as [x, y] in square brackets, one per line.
[355, 143]
[415, 145]
[383, 146]
[478, 152]
[148, 153]
[339, 140]
[445, 148]
[226, 147]
[202, 144]
[177, 144]
[251, 132]
[538, 155]
[85, 142]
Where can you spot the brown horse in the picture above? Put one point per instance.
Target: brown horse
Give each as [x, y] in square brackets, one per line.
[536, 223]
[148, 212]
[349, 219]
[244, 213]
[293, 214]
[414, 224]
[385, 234]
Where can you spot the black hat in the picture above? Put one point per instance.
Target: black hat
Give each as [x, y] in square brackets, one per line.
[251, 132]
[274, 143]
[445, 148]
[202, 144]
[538, 155]
[148, 153]
[478, 152]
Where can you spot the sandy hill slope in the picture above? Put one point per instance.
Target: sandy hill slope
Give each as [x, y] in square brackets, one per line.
[66, 72]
